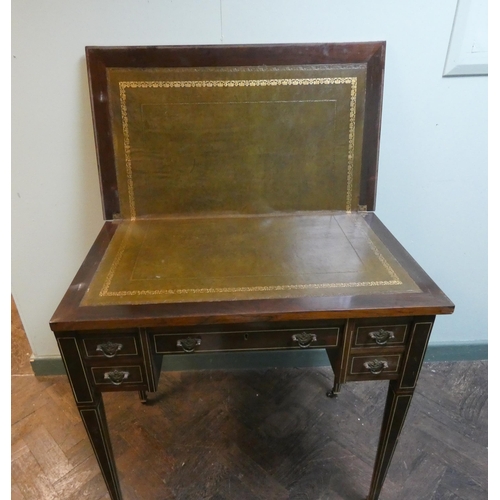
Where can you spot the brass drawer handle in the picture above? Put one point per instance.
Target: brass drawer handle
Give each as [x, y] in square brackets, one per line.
[188, 344]
[304, 339]
[109, 349]
[381, 337]
[376, 366]
[116, 377]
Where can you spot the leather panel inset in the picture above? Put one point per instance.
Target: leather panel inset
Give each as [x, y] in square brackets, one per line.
[239, 258]
[237, 140]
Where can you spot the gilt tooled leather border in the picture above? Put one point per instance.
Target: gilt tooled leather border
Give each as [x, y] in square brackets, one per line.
[105, 292]
[124, 85]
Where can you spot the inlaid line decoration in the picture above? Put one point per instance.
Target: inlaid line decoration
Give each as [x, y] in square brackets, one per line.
[124, 85]
[109, 464]
[105, 292]
[377, 479]
[81, 366]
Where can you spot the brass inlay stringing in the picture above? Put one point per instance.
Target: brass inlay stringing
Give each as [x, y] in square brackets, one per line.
[107, 283]
[230, 84]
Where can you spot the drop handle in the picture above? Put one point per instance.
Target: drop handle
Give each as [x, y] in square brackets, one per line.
[304, 339]
[381, 337]
[116, 377]
[109, 349]
[376, 366]
[189, 344]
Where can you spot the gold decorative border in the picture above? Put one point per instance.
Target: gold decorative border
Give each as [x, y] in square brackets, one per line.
[183, 291]
[353, 81]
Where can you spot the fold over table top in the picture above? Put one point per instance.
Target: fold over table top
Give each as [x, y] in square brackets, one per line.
[238, 185]
[196, 270]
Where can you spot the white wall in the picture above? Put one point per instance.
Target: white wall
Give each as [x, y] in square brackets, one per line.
[432, 190]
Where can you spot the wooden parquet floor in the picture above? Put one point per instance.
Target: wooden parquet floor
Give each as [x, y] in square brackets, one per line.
[253, 435]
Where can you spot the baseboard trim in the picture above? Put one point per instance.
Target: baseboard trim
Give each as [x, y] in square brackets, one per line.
[458, 351]
[47, 365]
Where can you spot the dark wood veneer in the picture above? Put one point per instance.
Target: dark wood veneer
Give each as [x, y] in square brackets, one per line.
[101, 58]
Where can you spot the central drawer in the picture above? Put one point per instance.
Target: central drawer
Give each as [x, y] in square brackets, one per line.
[255, 340]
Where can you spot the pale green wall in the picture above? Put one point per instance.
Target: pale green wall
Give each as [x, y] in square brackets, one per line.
[433, 161]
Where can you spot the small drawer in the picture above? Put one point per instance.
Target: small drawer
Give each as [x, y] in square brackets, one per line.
[109, 346]
[380, 335]
[304, 338]
[116, 376]
[382, 366]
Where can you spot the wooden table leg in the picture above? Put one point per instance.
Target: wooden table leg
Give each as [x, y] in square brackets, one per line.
[143, 396]
[334, 356]
[396, 407]
[90, 405]
[94, 419]
[338, 359]
[398, 401]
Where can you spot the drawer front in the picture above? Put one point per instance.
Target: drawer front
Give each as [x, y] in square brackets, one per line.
[376, 367]
[117, 376]
[380, 335]
[170, 343]
[110, 346]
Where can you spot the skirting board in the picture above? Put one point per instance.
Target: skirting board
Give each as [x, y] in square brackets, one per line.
[52, 365]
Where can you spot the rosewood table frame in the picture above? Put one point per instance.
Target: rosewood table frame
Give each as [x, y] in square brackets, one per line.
[367, 334]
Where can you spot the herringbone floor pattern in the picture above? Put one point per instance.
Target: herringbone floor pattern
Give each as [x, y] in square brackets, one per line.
[253, 435]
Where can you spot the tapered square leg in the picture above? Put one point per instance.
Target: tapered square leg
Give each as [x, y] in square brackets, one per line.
[334, 356]
[396, 407]
[91, 407]
[143, 396]
[94, 420]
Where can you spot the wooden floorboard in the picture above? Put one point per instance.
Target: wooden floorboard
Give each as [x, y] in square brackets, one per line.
[252, 435]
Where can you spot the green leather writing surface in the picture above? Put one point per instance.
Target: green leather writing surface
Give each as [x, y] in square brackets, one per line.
[230, 258]
[245, 140]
